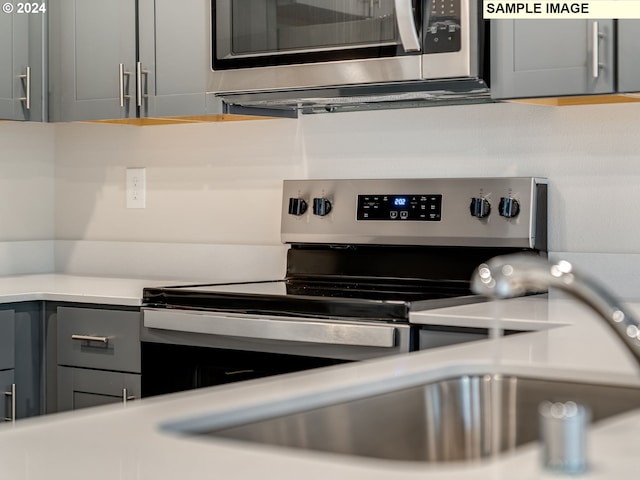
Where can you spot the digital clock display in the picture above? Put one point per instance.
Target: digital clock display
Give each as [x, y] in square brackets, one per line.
[424, 207]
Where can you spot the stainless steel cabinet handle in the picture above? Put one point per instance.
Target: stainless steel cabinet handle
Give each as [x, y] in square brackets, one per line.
[596, 49]
[27, 88]
[139, 84]
[139, 90]
[12, 394]
[90, 338]
[407, 26]
[126, 397]
[122, 74]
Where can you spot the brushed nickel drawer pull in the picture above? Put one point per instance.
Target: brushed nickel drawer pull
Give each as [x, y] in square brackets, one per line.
[126, 397]
[27, 88]
[90, 338]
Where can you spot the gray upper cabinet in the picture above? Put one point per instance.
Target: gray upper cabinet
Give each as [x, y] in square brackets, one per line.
[13, 54]
[125, 59]
[174, 56]
[22, 72]
[92, 59]
[629, 55]
[538, 58]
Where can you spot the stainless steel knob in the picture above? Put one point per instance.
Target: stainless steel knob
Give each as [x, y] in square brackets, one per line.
[480, 207]
[509, 207]
[321, 206]
[297, 206]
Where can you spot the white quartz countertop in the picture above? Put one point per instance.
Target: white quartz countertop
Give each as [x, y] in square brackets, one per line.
[76, 288]
[115, 442]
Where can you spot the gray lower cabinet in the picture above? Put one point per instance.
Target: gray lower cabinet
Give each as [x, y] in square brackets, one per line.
[7, 364]
[629, 55]
[22, 72]
[8, 392]
[7, 339]
[82, 388]
[98, 356]
[125, 59]
[22, 352]
[538, 58]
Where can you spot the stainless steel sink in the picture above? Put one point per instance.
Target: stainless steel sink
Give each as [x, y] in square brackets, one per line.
[463, 418]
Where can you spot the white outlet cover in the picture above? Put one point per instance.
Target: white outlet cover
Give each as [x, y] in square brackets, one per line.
[136, 187]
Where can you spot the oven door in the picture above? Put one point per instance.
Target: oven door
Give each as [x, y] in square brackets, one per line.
[327, 338]
[187, 349]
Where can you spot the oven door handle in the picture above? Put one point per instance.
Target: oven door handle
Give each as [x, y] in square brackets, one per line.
[292, 329]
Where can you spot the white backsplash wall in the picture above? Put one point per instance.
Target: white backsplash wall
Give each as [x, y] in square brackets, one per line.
[26, 197]
[206, 183]
[26, 181]
[591, 155]
[220, 183]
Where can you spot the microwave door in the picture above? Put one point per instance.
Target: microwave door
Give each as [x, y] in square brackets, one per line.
[276, 32]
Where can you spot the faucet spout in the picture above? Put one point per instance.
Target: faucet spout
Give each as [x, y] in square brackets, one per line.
[510, 276]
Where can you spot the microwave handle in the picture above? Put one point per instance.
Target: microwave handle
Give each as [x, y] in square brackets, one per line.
[407, 26]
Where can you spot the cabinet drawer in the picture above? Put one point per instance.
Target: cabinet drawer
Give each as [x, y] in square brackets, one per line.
[83, 388]
[101, 339]
[7, 339]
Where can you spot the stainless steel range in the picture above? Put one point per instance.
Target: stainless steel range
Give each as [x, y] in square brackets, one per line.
[363, 255]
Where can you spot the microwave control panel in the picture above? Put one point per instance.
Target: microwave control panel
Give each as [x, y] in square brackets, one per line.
[424, 207]
[442, 33]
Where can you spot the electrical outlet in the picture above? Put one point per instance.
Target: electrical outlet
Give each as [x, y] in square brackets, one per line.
[136, 187]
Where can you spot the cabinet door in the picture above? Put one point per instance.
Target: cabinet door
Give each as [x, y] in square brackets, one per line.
[629, 55]
[537, 58]
[38, 47]
[174, 47]
[14, 61]
[92, 63]
[7, 381]
[7, 338]
[83, 388]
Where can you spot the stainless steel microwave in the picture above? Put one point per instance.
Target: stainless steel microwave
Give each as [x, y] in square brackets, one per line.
[301, 45]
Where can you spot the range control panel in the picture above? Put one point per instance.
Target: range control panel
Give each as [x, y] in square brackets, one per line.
[490, 212]
[420, 207]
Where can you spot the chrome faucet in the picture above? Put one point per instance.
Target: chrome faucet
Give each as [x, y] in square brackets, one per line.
[514, 275]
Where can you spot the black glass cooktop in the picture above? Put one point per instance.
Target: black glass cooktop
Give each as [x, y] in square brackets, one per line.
[356, 282]
[361, 299]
